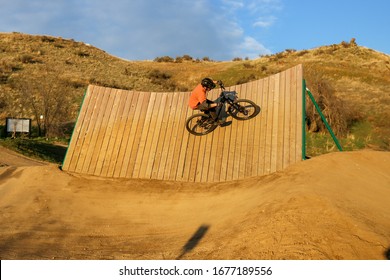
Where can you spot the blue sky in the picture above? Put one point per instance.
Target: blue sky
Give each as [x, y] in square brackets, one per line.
[218, 29]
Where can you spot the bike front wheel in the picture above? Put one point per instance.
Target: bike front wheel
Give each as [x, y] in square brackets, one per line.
[244, 109]
[200, 124]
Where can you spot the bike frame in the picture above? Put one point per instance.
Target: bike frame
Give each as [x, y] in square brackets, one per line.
[225, 99]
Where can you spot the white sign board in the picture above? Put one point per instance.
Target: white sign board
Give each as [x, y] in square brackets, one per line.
[18, 125]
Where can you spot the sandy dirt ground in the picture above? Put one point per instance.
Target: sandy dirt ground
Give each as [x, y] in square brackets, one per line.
[335, 206]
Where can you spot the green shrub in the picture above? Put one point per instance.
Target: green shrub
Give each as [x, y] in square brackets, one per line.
[164, 59]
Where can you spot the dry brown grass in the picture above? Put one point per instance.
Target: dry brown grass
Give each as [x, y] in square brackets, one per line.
[340, 114]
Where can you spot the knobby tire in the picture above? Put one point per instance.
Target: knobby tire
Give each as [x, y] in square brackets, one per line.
[196, 124]
[249, 105]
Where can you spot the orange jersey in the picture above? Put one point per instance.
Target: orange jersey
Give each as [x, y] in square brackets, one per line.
[198, 95]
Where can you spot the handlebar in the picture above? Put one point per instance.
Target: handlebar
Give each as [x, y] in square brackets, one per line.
[220, 83]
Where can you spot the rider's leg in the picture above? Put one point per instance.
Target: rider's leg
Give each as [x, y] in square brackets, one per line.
[205, 107]
[221, 111]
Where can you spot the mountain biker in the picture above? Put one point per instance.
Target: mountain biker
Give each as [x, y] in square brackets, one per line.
[198, 98]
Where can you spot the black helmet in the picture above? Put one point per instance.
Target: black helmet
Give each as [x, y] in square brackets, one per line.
[208, 83]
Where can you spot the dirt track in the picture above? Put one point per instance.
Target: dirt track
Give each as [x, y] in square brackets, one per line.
[335, 206]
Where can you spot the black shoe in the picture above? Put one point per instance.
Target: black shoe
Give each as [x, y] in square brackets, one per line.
[225, 124]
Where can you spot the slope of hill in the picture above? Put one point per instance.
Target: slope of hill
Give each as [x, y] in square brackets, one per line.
[34, 68]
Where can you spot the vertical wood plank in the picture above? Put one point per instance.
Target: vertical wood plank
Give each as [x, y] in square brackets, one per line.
[225, 152]
[182, 137]
[287, 116]
[201, 159]
[258, 88]
[250, 133]
[138, 164]
[231, 164]
[275, 122]
[207, 157]
[299, 89]
[117, 135]
[219, 154]
[269, 125]
[137, 130]
[154, 135]
[110, 136]
[187, 145]
[132, 119]
[245, 90]
[90, 134]
[166, 134]
[80, 129]
[86, 142]
[281, 122]
[238, 145]
[193, 161]
[175, 140]
[100, 126]
[213, 156]
[127, 120]
[263, 126]
[293, 110]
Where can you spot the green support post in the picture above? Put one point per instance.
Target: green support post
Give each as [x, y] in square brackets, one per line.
[324, 119]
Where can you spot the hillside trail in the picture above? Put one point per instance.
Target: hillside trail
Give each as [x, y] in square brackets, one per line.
[335, 206]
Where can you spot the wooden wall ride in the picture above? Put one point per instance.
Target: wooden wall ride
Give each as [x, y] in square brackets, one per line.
[132, 134]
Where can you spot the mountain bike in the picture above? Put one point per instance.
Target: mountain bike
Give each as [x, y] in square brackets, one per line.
[240, 109]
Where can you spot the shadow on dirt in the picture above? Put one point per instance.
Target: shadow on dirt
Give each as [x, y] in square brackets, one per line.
[194, 240]
[37, 149]
[387, 254]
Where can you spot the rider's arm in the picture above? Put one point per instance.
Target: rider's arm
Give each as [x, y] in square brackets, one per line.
[214, 104]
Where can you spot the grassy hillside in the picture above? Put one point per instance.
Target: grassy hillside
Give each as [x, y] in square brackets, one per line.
[42, 75]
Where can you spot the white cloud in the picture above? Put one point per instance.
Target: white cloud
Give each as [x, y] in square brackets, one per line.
[264, 6]
[145, 29]
[265, 21]
[234, 4]
[251, 48]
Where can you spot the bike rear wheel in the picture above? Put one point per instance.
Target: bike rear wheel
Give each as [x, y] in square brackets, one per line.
[244, 109]
[200, 124]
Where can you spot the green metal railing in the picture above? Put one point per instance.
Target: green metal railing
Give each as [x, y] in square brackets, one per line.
[304, 91]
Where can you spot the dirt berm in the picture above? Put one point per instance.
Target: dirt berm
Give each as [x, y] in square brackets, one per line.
[335, 206]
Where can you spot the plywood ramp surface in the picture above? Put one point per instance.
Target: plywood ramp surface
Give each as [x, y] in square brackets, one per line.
[131, 134]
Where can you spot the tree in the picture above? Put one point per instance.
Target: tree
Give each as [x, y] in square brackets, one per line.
[48, 101]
